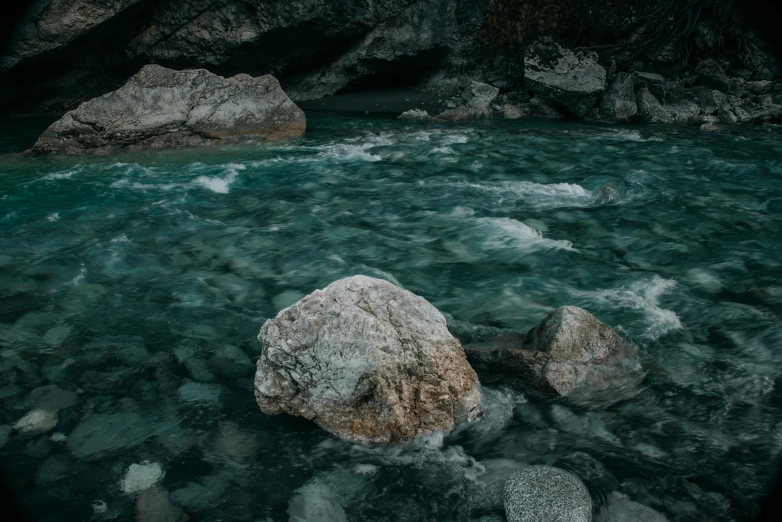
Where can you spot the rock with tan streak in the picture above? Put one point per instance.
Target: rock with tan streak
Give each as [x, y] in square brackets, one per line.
[162, 108]
[368, 362]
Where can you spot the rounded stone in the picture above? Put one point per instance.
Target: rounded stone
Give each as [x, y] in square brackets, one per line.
[367, 361]
[538, 493]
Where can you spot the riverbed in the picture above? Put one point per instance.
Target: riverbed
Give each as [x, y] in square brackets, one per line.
[133, 288]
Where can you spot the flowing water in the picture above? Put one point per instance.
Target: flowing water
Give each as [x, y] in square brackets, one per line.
[133, 288]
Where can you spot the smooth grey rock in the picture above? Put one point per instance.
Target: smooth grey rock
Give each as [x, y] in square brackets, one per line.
[649, 108]
[726, 116]
[571, 83]
[200, 495]
[463, 113]
[711, 75]
[162, 108]
[5, 435]
[37, 421]
[619, 508]
[53, 469]
[415, 115]
[154, 505]
[538, 493]
[367, 361]
[53, 398]
[569, 353]
[618, 103]
[108, 433]
[196, 392]
[230, 362]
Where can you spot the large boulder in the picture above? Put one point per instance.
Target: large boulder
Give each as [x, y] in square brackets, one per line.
[162, 108]
[569, 353]
[537, 493]
[618, 103]
[572, 83]
[368, 362]
[477, 104]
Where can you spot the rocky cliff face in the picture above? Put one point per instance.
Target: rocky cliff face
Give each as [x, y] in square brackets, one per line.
[62, 52]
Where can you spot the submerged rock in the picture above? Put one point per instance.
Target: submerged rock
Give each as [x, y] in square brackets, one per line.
[368, 362]
[538, 493]
[37, 421]
[619, 508]
[162, 108]
[154, 505]
[105, 433]
[569, 353]
[570, 82]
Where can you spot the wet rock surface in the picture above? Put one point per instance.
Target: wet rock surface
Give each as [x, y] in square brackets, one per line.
[368, 362]
[571, 83]
[164, 108]
[569, 353]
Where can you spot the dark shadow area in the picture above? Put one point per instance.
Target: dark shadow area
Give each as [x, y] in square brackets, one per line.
[384, 101]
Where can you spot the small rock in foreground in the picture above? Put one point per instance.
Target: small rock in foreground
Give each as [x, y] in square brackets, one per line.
[538, 493]
[368, 362]
[162, 108]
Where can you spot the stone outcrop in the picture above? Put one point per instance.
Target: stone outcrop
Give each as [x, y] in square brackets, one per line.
[570, 82]
[478, 98]
[368, 362]
[538, 493]
[618, 103]
[414, 115]
[710, 74]
[163, 108]
[569, 353]
[649, 108]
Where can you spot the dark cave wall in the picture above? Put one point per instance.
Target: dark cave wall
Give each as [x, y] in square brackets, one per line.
[57, 53]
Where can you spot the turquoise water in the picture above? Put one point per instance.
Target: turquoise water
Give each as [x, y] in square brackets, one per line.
[133, 288]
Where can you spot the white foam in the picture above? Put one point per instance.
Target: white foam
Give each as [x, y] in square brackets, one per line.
[643, 296]
[502, 233]
[122, 238]
[80, 277]
[53, 217]
[539, 195]
[221, 185]
[140, 477]
[444, 150]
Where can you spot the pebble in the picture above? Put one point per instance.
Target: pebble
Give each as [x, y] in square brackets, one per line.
[37, 421]
[538, 493]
